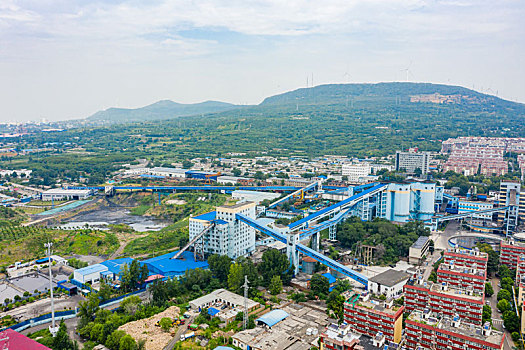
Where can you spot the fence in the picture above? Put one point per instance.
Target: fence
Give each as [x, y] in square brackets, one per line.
[63, 315]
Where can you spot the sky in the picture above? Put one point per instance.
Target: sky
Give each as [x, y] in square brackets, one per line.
[65, 59]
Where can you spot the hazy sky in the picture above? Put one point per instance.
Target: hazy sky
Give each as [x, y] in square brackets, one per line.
[62, 59]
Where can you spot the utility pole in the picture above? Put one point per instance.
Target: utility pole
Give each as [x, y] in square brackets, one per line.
[245, 316]
[53, 328]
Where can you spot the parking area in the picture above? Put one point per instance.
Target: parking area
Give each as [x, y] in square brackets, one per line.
[31, 282]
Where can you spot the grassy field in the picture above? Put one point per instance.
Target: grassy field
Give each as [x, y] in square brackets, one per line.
[25, 243]
[175, 235]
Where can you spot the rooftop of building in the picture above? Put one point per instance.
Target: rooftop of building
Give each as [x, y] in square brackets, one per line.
[91, 269]
[370, 302]
[420, 242]
[237, 205]
[467, 293]
[467, 252]
[209, 216]
[390, 277]
[225, 295]
[10, 339]
[448, 324]
[462, 269]
[168, 266]
[116, 265]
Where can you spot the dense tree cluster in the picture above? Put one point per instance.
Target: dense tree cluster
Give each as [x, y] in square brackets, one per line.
[391, 241]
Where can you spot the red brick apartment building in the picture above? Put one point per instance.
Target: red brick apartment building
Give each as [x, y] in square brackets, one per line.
[440, 298]
[427, 330]
[370, 316]
[509, 253]
[461, 277]
[466, 258]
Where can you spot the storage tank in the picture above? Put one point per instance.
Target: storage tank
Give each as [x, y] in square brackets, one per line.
[401, 201]
[428, 198]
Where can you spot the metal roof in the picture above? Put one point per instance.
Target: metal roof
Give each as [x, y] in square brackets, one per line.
[115, 265]
[206, 216]
[389, 278]
[273, 317]
[92, 269]
[420, 242]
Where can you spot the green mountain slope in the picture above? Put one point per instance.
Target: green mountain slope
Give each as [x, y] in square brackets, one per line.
[160, 110]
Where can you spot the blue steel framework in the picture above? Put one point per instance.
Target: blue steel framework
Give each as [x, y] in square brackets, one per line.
[294, 248]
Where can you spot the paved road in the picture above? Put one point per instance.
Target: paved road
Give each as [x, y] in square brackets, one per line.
[180, 332]
[497, 320]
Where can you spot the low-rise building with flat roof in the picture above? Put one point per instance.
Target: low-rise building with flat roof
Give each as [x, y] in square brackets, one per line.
[59, 194]
[222, 296]
[389, 283]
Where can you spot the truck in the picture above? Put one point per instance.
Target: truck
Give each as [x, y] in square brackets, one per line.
[188, 335]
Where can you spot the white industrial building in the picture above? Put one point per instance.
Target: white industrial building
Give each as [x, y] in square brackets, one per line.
[89, 274]
[389, 283]
[225, 179]
[403, 202]
[228, 236]
[471, 206]
[222, 296]
[168, 172]
[65, 194]
[254, 196]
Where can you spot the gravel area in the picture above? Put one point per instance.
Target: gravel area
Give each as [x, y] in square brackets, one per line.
[156, 338]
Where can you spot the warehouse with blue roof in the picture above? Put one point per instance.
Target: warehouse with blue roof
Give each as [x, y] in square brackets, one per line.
[166, 266]
[109, 269]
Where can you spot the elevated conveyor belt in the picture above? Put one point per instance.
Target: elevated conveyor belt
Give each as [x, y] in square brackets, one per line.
[466, 215]
[266, 230]
[192, 242]
[344, 204]
[325, 224]
[190, 188]
[305, 250]
[291, 195]
[356, 276]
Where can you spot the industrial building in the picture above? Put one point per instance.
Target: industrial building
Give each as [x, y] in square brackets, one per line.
[403, 202]
[254, 196]
[367, 315]
[465, 206]
[59, 194]
[510, 193]
[222, 296]
[412, 160]
[174, 173]
[109, 270]
[227, 236]
[428, 330]
[166, 266]
[388, 283]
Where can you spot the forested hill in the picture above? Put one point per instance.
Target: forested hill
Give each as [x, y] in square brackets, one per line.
[160, 110]
[388, 93]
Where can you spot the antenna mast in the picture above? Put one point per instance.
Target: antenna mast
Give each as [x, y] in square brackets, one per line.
[245, 316]
[53, 328]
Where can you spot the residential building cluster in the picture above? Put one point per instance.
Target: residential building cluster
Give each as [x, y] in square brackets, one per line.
[470, 155]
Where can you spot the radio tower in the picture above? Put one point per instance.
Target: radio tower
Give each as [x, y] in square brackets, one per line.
[245, 316]
[53, 328]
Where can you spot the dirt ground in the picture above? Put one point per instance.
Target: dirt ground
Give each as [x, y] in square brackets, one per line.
[156, 338]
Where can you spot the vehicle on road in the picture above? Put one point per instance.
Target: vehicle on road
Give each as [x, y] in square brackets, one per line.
[187, 336]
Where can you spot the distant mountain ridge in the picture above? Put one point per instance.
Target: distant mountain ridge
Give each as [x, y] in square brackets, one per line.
[160, 110]
[412, 92]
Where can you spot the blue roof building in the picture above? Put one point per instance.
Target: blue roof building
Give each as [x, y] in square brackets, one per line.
[164, 265]
[115, 265]
[272, 318]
